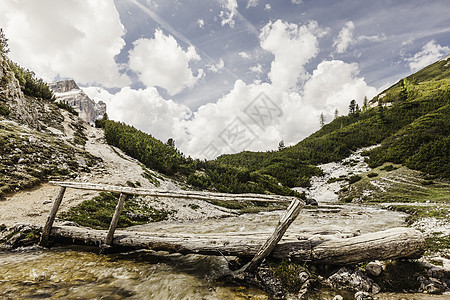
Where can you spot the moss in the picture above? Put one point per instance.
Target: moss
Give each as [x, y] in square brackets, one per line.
[289, 274]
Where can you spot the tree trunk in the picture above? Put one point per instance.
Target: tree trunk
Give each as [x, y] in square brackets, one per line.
[388, 244]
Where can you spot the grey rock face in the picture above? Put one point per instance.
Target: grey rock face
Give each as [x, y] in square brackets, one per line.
[68, 92]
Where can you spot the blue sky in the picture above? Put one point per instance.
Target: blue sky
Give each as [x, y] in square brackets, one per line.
[189, 69]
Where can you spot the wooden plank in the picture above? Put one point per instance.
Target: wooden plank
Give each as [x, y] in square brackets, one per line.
[284, 223]
[197, 195]
[115, 219]
[388, 244]
[51, 217]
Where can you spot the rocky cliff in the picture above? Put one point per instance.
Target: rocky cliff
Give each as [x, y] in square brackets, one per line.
[68, 92]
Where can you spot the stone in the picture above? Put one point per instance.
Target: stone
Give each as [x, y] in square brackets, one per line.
[311, 202]
[354, 280]
[374, 268]
[434, 288]
[338, 297]
[303, 276]
[363, 296]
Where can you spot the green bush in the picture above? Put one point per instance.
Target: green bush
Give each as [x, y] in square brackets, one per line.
[4, 111]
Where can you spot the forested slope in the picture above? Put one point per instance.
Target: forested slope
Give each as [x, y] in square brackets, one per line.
[410, 120]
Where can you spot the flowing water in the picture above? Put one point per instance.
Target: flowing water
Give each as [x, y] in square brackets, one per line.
[74, 273]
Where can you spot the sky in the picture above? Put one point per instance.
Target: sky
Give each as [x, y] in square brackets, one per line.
[223, 76]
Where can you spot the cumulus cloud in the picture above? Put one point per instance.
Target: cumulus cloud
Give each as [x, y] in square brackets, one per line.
[66, 39]
[244, 55]
[296, 1]
[345, 38]
[162, 62]
[216, 67]
[293, 46]
[227, 15]
[268, 7]
[200, 23]
[252, 116]
[256, 69]
[252, 3]
[429, 54]
[144, 108]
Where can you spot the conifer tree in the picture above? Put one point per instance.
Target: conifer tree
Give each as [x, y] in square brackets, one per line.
[3, 42]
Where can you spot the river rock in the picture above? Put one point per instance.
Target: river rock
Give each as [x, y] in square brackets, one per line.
[431, 285]
[374, 268]
[363, 296]
[311, 201]
[354, 280]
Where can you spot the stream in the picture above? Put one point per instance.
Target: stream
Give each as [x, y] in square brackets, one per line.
[81, 273]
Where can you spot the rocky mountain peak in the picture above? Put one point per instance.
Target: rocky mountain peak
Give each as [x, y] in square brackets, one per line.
[68, 92]
[63, 86]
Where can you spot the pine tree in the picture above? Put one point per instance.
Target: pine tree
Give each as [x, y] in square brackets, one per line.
[281, 145]
[322, 120]
[3, 43]
[336, 113]
[352, 107]
[365, 104]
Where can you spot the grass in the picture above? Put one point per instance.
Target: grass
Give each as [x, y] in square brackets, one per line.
[417, 212]
[97, 212]
[438, 242]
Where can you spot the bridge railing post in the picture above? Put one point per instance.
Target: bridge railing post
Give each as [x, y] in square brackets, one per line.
[51, 218]
[115, 219]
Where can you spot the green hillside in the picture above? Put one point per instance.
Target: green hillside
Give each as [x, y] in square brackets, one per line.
[410, 120]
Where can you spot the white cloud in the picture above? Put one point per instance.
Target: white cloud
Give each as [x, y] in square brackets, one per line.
[373, 38]
[244, 55]
[200, 23]
[62, 39]
[256, 69]
[268, 7]
[345, 38]
[296, 1]
[217, 67]
[252, 3]
[145, 109]
[429, 54]
[293, 47]
[162, 62]
[228, 15]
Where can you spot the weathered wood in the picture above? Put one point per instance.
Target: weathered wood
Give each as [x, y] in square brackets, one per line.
[286, 220]
[388, 244]
[197, 195]
[51, 217]
[115, 219]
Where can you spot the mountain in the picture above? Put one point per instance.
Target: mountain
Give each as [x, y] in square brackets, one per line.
[411, 121]
[38, 140]
[67, 92]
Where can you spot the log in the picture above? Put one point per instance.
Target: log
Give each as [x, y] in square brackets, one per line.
[291, 214]
[197, 195]
[388, 244]
[115, 219]
[51, 218]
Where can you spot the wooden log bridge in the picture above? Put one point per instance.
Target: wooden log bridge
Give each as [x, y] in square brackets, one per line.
[389, 244]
